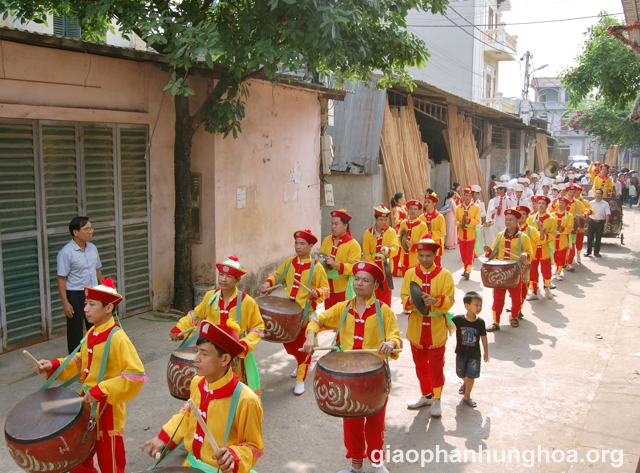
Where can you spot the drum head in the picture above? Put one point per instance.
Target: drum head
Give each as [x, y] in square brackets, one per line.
[416, 297]
[495, 262]
[27, 423]
[187, 354]
[350, 363]
[278, 305]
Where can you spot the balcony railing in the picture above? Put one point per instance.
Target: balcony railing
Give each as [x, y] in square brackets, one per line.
[502, 40]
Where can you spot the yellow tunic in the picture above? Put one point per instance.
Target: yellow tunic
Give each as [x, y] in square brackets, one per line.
[565, 220]
[580, 207]
[469, 232]
[123, 377]
[370, 242]
[514, 255]
[534, 236]
[347, 254]
[319, 281]
[245, 436]
[418, 230]
[428, 332]
[251, 323]
[592, 172]
[437, 227]
[599, 183]
[330, 319]
[549, 227]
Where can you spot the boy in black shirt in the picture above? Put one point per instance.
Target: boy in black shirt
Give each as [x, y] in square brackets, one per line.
[470, 328]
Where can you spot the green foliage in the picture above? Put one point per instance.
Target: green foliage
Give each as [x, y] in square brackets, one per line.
[610, 127]
[607, 69]
[241, 38]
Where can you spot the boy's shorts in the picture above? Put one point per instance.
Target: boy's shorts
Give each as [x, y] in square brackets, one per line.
[467, 367]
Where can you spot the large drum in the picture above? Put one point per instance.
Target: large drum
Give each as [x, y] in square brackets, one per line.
[54, 442]
[282, 318]
[180, 372]
[350, 384]
[501, 274]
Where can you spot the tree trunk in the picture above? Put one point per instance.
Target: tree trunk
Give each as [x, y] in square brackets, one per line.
[182, 279]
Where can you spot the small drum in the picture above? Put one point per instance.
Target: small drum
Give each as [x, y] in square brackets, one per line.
[282, 318]
[54, 442]
[180, 372]
[501, 274]
[350, 384]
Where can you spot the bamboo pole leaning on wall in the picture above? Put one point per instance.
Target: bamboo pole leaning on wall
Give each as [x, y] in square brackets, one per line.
[611, 158]
[404, 156]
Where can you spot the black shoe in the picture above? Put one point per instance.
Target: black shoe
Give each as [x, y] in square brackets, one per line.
[587, 254]
[520, 315]
[598, 255]
[466, 275]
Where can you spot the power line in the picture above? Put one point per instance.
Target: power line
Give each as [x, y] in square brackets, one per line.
[509, 24]
[486, 34]
[473, 36]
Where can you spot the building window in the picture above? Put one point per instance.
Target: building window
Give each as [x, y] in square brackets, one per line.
[64, 26]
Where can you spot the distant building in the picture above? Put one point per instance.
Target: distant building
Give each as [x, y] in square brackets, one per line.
[467, 45]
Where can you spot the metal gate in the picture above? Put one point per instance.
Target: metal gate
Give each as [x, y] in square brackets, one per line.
[51, 172]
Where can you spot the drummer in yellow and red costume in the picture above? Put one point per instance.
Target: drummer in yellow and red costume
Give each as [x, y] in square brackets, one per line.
[310, 273]
[104, 345]
[342, 252]
[226, 405]
[579, 207]
[546, 224]
[603, 181]
[510, 245]
[415, 228]
[359, 323]
[436, 224]
[220, 306]
[564, 229]
[467, 219]
[534, 236]
[428, 334]
[379, 242]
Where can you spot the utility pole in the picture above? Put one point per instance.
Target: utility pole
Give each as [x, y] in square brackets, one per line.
[525, 90]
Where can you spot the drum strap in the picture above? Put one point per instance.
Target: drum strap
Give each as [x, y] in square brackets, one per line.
[307, 306]
[103, 368]
[62, 366]
[383, 338]
[494, 253]
[284, 273]
[342, 319]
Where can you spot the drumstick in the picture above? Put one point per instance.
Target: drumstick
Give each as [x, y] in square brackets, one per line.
[302, 285]
[270, 290]
[203, 425]
[321, 348]
[184, 332]
[51, 405]
[374, 350]
[31, 357]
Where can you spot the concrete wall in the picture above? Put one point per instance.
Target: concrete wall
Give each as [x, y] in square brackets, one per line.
[358, 194]
[275, 159]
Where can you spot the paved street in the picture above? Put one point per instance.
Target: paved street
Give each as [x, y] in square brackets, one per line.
[550, 385]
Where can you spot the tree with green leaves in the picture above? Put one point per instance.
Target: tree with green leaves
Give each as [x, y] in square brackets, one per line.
[610, 127]
[241, 40]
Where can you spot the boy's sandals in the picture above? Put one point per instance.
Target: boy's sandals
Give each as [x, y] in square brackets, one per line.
[461, 390]
[470, 402]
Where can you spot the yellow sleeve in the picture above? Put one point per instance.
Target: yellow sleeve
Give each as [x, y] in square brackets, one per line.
[526, 247]
[179, 423]
[200, 312]
[188, 320]
[248, 420]
[445, 290]
[273, 277]
[352, 258]
[394, 246]
[72, 369]
[320, 282]
[568, 228]
[405, 290]
[329, 319]
[129, 381]
[459, 214]
[474, 216]
[325, 246]
[391, 329]
[254, 329]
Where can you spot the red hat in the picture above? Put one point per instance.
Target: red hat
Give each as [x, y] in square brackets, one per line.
[381, 211]
[566, 200]
[426, 243]
[370, 268]
[513, 212]
[306, 235]
[103, 292]
[414, 202]
[232, 266]
[468, 190]
[523, 208]
[342, 213]
[432, 197]
[543, 197]
[577, 186]
[571, 185]
[222, 336]
[606, 166]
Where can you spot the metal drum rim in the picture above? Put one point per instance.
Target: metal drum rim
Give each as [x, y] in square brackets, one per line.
[180, 358]
[264, 299]
[350, 375]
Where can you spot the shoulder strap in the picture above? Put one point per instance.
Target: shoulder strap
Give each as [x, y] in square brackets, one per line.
[284, 273]
[214, 300]
[105, 355]
[307, 305]
[63, 365]
[239, 307]
[342, 319]
[495, 251]
[232, 411]
[383, 338]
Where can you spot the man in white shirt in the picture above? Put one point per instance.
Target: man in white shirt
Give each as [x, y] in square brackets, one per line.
[495, 212]
[598, 221]
[616, 184]
[535, 184]
[519, 198]
[526, 192]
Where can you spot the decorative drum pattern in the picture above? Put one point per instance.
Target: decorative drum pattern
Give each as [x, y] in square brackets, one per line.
[282, 318]
[180, 372]
[501, 274]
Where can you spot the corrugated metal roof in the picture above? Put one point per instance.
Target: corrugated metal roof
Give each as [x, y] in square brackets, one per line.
[357, 129]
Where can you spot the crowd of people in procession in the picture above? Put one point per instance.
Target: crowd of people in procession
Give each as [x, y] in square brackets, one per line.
[539, 223]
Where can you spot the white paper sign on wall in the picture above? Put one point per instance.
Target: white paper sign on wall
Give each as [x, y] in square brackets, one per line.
[241, 197]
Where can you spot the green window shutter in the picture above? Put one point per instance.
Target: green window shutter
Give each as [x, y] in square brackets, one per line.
[60, 178]
[136, 266]
[98, 174]
[17, 192]
[54, 245]
[22, 290]
[133, 166]
[105, 241]
[63, 26]
[58, 25]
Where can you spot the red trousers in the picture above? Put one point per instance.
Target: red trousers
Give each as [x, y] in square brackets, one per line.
[300, 356]
[334, 298]
[560, 257]
[109, 449]
[498, 301]
[364, 436]
[577, 247]
[467, 252]
[383, 293]
[545, 267]
[429, 368]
